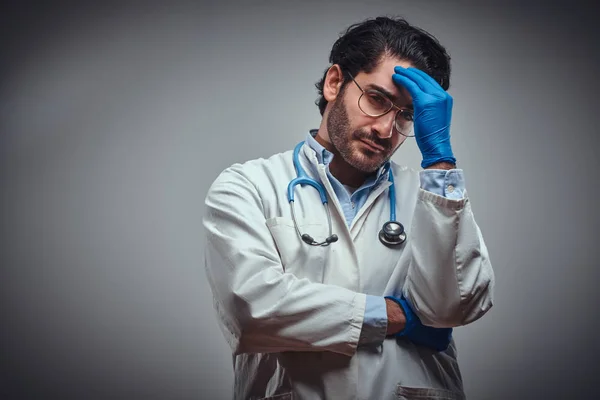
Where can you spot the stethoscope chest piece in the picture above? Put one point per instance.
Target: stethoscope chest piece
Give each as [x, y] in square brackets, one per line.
[392, 233]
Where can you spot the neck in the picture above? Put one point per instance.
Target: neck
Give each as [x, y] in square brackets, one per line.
[343, 172]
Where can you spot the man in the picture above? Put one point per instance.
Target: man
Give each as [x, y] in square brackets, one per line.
[316, 300]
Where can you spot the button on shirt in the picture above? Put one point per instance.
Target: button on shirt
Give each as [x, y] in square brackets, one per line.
[446, 183]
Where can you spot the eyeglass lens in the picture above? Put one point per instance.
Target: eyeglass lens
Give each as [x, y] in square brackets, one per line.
[376, 104]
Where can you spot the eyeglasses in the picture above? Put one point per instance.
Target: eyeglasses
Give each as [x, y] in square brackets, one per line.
[376, 104]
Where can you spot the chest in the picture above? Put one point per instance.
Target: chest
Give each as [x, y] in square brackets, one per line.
[358, 260]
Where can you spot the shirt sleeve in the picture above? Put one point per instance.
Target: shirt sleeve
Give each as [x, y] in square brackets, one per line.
[445, 183]
[374, 326]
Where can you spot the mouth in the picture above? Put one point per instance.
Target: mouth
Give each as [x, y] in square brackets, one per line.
[372, 146]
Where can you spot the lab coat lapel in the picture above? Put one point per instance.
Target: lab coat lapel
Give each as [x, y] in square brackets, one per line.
[360, 218]
[334, 204]
[344, 249]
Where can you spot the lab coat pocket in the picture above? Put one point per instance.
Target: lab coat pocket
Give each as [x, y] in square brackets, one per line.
[297, 257]
[420, 393]
[283, 396]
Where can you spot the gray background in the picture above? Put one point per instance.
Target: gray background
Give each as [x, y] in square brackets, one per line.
[115, 118]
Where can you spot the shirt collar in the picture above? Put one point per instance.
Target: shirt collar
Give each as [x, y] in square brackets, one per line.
[324, 156]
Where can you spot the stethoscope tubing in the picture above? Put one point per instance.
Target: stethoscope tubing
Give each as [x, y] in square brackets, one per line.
[392, 232]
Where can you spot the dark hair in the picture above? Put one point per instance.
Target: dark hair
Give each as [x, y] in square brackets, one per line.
[364, 44]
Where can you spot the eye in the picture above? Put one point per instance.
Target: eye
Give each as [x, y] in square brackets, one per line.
[377, 99]
[407, 115]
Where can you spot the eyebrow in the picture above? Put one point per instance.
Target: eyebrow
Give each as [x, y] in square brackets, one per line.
[390, 95]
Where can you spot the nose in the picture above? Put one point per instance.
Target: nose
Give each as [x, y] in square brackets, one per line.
[384, 125]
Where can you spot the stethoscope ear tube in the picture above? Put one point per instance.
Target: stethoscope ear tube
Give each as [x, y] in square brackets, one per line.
[306, 238]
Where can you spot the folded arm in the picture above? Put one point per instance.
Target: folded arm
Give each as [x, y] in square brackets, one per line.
[260, 307]
[450, 279]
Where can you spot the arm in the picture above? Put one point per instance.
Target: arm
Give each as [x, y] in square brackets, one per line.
[444, 180]
[450, 279]
[261, 308]
[383, 317]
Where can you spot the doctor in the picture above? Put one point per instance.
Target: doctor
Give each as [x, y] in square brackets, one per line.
[351, 289]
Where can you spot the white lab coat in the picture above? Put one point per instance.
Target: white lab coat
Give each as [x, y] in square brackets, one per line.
[292, 313]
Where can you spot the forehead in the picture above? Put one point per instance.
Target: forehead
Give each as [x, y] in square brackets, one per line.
[382, 76]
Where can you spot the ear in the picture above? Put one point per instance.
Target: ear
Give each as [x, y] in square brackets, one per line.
[333, 83]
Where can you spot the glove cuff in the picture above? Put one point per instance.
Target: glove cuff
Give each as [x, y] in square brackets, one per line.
[430, 161]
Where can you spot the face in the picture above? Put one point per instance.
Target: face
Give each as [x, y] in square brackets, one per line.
[363, 141]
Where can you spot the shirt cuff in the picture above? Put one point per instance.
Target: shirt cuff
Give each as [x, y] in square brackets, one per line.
[445, 183]
[374, 327]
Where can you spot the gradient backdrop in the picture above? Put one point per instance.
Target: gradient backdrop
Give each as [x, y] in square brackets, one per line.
[115, 118]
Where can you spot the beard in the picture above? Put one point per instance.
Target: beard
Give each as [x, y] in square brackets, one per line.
[346, 141]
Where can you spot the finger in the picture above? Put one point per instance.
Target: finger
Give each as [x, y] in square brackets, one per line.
[414, 89]
[422, 83]
[427, 77]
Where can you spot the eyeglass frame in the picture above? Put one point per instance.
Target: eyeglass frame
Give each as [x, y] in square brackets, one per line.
[363, 92]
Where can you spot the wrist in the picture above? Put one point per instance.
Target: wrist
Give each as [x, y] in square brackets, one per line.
[396, 317]
[439, 162]
[445, 165]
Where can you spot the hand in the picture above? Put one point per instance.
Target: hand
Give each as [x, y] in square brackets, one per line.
[395, 316]
[435, 338]
[432, 114]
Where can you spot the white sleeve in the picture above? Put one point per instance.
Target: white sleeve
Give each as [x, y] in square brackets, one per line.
[450, 280]
[260, 307]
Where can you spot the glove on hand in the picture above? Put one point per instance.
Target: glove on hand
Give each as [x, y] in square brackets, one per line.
[432, 114]
[435, 338]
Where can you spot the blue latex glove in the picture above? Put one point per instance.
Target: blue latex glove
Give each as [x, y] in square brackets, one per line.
[433, 112]
[435, 338]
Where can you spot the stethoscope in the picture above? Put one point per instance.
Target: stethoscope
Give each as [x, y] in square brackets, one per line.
[391, 234]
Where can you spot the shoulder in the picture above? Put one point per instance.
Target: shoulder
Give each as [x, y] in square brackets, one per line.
[254, 173]
[403, 171]
[406, 179]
